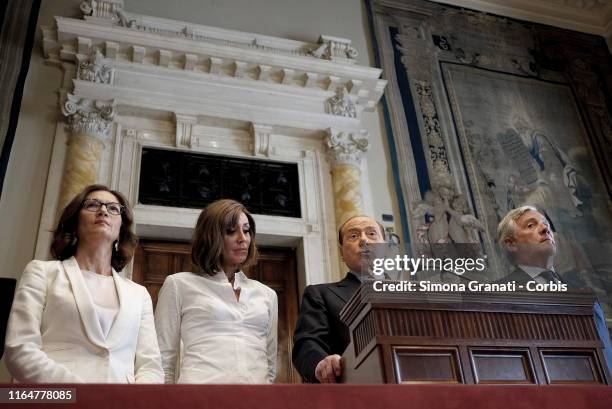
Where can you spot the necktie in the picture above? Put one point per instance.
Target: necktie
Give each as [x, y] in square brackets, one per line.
[550, 276]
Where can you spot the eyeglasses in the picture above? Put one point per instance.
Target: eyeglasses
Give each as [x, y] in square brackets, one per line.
[93, 205]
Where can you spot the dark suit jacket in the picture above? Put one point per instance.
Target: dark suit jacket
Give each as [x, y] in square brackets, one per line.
[319, 331]
[517, 275]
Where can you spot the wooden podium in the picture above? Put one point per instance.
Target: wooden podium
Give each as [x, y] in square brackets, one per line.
[472, 338]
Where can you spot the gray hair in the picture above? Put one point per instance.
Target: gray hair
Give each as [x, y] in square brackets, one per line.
[507, 226]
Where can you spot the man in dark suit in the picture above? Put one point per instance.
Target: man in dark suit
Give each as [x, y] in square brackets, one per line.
[320, 337]
[526, 237]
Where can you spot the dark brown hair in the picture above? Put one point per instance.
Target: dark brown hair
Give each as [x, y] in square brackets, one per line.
[64, 245]
[208, 238]
[380, 227]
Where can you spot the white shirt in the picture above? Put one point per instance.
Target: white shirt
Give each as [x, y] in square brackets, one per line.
[224, 340]
[104, 296]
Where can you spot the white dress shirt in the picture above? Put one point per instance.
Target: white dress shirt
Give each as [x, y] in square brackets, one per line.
[224, 340]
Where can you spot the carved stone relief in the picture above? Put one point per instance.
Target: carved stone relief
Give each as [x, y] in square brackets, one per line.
[95, 69]
[444, 216]
[334, 48]
[341, 104]
[111, 10]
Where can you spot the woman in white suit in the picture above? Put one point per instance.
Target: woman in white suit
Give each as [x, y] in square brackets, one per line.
[75, 319]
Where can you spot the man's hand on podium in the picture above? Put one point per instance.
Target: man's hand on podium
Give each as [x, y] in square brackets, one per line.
[328, 369]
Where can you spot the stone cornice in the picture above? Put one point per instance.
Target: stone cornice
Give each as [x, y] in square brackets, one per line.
[111, 13]
[256, 62]
[197, 103]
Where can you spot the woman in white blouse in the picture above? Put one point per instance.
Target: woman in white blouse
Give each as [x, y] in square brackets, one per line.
[75, 319]
[227, 322]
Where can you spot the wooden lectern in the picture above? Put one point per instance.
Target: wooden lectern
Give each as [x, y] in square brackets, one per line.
[472, 338]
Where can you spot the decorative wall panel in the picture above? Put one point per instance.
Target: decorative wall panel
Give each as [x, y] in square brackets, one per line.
[488, 113]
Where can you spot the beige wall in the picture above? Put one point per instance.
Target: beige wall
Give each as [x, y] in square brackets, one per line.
[23, 191]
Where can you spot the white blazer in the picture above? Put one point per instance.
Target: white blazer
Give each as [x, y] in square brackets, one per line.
[54, 336]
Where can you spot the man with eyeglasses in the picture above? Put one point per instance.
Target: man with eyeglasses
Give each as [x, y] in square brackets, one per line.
[320, 337]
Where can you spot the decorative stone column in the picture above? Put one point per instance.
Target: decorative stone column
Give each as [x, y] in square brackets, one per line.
[345, 150]
[90, 123]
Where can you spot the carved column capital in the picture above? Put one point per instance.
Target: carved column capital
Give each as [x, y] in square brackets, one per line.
[346, 148]
[89, 117]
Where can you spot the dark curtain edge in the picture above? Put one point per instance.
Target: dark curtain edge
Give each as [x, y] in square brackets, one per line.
[18, 94]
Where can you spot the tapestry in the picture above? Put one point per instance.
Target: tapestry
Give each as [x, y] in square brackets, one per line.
[532, 148]
[485, 114]
[18, 25]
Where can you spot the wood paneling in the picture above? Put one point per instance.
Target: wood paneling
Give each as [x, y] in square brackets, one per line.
[430, 365]
[571, 367]
[486, 338]
[502, 366]
[489, 325]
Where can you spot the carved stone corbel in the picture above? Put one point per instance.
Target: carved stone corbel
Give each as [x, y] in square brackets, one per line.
[184, 130]
[261, 139]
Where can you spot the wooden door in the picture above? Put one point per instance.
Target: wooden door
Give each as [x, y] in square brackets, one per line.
[276, 267]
